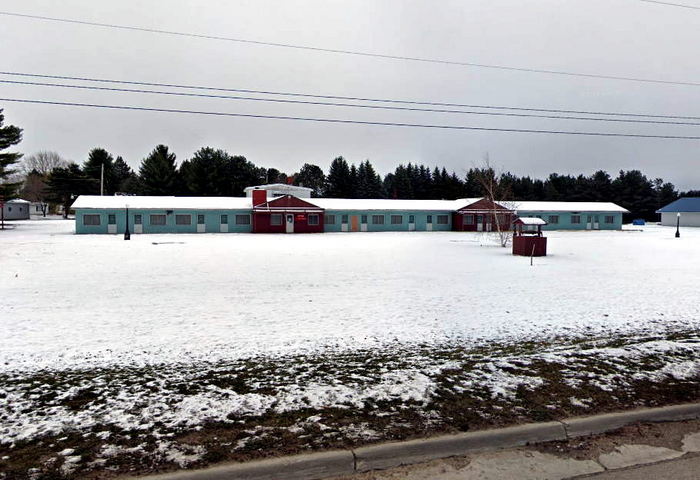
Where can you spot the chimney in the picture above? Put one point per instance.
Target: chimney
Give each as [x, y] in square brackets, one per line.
[259, 196]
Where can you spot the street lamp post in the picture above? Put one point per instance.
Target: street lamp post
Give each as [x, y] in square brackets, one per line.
[678, 225]
[127, 234]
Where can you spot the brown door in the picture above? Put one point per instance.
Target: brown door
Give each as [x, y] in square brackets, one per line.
[355, 223]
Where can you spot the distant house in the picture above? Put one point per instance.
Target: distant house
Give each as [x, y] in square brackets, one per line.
[16, 210]
[688, 207]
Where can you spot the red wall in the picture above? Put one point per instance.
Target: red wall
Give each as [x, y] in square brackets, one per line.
[261, 223]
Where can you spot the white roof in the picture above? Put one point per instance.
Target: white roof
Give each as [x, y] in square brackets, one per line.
[17, 200]
[531, 221]
[277, 186]
[566, 207]
[163, 203]
[388, 204]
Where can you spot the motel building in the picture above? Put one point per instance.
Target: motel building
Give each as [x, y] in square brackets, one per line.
[289, 209]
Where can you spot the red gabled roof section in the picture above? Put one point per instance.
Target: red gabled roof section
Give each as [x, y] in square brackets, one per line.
[287, 202]
[483, 205]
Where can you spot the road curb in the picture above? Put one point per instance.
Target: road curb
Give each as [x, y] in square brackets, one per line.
[376, 457]
[388, 455]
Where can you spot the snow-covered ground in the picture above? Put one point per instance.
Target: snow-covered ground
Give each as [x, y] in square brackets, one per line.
[73, 301]
[165, 333]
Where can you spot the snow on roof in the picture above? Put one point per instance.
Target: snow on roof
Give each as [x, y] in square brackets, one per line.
[566, 207]
[530, 221]
[162, 203]
[389, 204]
[685, 204]
[276, 186]
[17, 200]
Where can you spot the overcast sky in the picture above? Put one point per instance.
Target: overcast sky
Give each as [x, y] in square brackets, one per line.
[614, 37]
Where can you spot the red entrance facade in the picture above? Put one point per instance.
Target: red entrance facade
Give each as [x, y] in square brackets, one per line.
[286, 214]
[482, 216]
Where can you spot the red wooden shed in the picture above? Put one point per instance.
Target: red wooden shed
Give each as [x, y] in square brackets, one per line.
[527, 237]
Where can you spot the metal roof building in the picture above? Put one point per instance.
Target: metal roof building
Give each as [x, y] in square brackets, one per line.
[687, 207]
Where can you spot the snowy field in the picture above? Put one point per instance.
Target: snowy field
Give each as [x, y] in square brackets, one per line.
[130, 345]
[71, 301]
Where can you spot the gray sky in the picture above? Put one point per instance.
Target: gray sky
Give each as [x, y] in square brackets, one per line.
[614, 37]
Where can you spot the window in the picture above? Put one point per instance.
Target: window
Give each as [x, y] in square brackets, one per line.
[396, 219]
[330, 220]
[276, 219]
[364, 219]
[157, 219]
[575, 219]
[200, 219]
[313, 219]
[378, 219]
[609, 219]
[442, 219]
[224, 220]
[468, 220]
[91, 219]
[183, 219]
[138, 220]
[344, 219]
[242, 219]
[112, 219]
[553, 219]
[411, 219]
[430, 219]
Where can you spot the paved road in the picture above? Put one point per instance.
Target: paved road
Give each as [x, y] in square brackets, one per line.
[686, 468]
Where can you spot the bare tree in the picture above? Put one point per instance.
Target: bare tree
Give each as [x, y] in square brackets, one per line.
[500, 202]
[42, 162]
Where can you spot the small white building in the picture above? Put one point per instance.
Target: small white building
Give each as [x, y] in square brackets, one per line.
[689, 209]
[280, 190]
[16, 210]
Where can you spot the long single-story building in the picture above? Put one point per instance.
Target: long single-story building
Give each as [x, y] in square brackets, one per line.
[687, 207]
[288, 213]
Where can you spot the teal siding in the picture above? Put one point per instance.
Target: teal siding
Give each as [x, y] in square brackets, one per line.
[211, 221]
[565, 219]
[421, 220]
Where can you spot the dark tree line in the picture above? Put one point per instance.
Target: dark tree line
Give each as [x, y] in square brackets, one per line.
[214, 172]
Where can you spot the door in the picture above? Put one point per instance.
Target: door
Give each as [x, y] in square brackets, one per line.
[411, 223]
[429, 223]
[200, 224]
[138, 224]
[363, 223]
[479, 223]
[355, 223]
[223, 224]
[589, 223]
[596, 222]
[289, 223]
[111, 223]
[344, 223]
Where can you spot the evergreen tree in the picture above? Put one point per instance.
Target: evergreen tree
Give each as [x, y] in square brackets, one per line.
[369, 184]
[665, 193]
[93, 169]
[64, 184]
[9, 136]
[338, 180]
[634, 191]
[159, 174]
[242, 173]
[207, 173]
[124, 177]
[311, 176]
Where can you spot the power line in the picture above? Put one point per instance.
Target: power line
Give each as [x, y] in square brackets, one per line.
[349, 52]
[338, 97]
[341, 121]
[670, 4]
[351, 105]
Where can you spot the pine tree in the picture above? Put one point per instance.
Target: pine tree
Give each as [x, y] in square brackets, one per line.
[66, 183]
[158, 173]
[93, 169]
[338, 180]
[9, 136]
